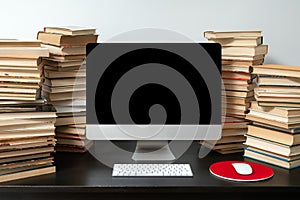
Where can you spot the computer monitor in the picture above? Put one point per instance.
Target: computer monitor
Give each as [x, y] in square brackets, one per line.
[153, 93]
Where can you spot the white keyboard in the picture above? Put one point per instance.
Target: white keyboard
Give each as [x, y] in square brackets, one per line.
[156, 170]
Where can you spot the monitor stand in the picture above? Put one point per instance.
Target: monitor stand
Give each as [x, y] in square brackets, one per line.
[153, 151]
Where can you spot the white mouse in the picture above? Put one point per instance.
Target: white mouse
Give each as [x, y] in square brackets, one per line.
[242, 168]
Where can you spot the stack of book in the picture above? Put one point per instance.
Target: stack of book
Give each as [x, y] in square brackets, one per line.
[233, 136]
[64, 82]
[278, 85]
[26, 124]
[240, 51]
[274, 136]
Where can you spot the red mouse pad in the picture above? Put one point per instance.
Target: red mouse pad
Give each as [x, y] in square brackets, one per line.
[225, 170]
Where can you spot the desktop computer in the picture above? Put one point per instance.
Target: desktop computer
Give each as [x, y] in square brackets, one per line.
[153, 93]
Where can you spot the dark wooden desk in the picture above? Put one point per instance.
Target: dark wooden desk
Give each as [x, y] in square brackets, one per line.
[81, 176]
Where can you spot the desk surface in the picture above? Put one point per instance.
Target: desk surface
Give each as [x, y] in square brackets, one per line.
[84, 173]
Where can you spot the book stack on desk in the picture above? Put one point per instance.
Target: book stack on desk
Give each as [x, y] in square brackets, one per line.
[240, 51]
[233, 137]
[26, 124]
[278, 85]
[274, 136]
[64, 82]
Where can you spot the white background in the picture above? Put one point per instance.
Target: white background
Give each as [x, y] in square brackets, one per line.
[278, 19]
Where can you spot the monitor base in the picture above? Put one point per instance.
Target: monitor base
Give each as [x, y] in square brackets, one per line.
[153, 151]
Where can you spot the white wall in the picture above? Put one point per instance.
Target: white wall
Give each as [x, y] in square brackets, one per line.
[279, 19]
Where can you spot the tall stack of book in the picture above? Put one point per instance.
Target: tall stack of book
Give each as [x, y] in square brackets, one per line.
[64, 82]
[240, 51]
[274, 136]
[26, 124]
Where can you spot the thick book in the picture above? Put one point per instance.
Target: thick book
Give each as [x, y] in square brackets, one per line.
[277, 97]
[237, 106]
[23, 103]
[280, 104]
[242, 62]
[264, 120]
[7, 167]
[281, 111]
[24, 52]
[27, 157]
[16, 96]
[83, 125]
[64, 96]
[64, 74]
[243, 94]
[235, 123]
[73, 142]
[64, 82]
[64, 89]
[231, 139]
[63, 40]
[28, 146]
[277, 70]
[59, 135]
[234, 132]
[248, 87]
[237, 81]
[235, 145]
[19, 85]
[13, 72]
[239, 100]
[272, 146]
[273, 135]
[239, 78]
[61, 69]
[28, 173]
[68, 57]
[62, 63]
[238, 41]
[21, 62]
[278, 81]
[236, 113]
[10, 135]
[73, 148]
[25, 152]
[67, 110]
[20, 90]
[70, 30]
[245, 51]
[17, 79]
[281, 98]
[231, 34]
[21, 141]
[237, 75]
[62, 121]
[28, 115]
[21, 68]
[230, 150]
[287, 162]
[74, 102]
[278, 89]
[65, 50]
[70, 130]
[243, 58]
[276, 66]
[236, 68]
[19, 123]
[19, 43]
[290, 120]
